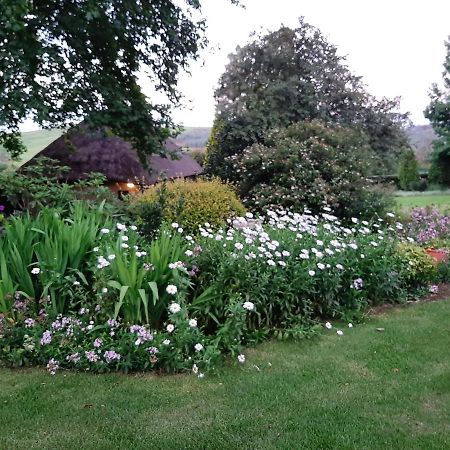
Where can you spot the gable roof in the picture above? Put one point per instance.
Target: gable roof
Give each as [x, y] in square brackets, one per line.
[85, 151]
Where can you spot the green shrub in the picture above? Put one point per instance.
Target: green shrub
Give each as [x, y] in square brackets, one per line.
[42, 185]
[408, 174]
[192, 203]
[308, 164]
[417, 267]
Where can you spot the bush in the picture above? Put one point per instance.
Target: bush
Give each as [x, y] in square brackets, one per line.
[192, 203]
[308, 165]
[41, 185]
[417, 267]
[408, 174]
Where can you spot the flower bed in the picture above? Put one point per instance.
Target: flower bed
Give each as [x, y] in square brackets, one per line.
[86, 292]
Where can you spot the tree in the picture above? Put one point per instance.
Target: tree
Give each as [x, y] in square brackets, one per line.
[62, 61]
[409, 171]
[307, 164]
[289, 76]
[438, 113]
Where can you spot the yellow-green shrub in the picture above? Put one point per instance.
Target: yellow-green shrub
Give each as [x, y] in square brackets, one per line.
[192, 203]
[416, 265]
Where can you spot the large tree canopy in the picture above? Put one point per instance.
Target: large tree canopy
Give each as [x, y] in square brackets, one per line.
[289, 76]
[438, 112]
[62, 61]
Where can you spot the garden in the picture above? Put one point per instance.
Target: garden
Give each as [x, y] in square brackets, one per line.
[183, 278]
[273, 289]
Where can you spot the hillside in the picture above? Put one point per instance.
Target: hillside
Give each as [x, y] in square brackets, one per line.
[194, 137]
[421, 138]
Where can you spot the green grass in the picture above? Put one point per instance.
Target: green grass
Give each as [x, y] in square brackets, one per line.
[439, 199]
[365, 390]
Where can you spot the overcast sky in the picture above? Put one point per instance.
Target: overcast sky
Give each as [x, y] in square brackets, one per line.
[397, 46]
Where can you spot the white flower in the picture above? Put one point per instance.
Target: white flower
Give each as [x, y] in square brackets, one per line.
[339, 332]
[354, 220]
[198, 347]
[249, 306]
[311, 273]
[174, 308]
[180, 230]
[188, 253]
[339, 267]
[104, 231]
[76, 283]
[193, 323]
[285, 253]
[321, 266]
[35, 270]
[111, 257]
[123, 245]
[328, 325]
[170, 328]
[133, 227]
[241, 359]
[171, 289]
[95, 249]
[239, 246]
[166, 342]
[121, 227]
[350, 325]
[104, 290]
[319, 243]
[124, 238]
[390, 214]
[271, 262]
[174, 225]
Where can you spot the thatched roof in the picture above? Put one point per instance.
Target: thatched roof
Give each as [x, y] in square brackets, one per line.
[85, 151]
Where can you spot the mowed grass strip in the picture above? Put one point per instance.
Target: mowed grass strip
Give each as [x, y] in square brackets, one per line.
[442, 201]
[365, 390]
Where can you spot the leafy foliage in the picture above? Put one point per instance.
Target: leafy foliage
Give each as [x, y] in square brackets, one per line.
[66, 61]
[438, 112]
[42, 185]
[409, 171]
[192, 203]
[289, 76]
[307, 165]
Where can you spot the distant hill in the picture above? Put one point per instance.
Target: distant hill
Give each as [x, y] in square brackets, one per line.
[421, 138]
[194, 137]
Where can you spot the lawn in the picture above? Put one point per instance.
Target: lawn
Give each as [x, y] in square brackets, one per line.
[439, 199]
[365, 390]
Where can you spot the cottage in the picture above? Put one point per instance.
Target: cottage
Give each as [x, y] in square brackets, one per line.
[86, 151]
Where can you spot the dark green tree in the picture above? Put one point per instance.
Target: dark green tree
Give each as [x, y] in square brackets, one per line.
[438, 113]
[63, 61]
[408, 174]
[289, 76]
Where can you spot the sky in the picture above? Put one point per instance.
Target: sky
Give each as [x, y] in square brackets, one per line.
[397, 46]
